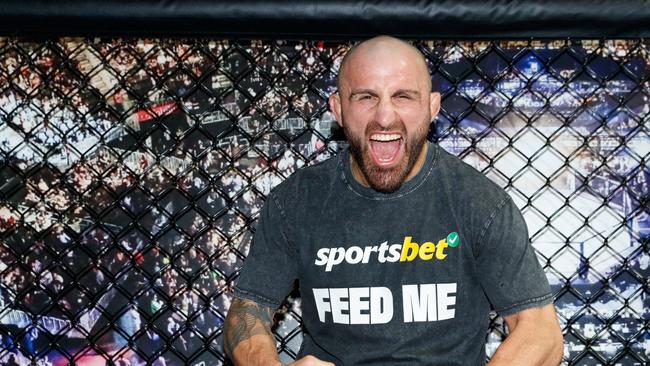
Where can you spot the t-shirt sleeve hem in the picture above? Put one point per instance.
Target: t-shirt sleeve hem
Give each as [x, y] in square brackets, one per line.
[260, 299]
[525, 304]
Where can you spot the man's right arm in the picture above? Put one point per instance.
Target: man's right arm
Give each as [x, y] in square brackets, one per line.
[248, 339]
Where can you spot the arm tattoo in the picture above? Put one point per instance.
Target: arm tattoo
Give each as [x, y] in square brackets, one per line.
[245, 319]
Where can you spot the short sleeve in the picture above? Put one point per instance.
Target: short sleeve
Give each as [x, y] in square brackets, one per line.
[508, 269]
[270, 268]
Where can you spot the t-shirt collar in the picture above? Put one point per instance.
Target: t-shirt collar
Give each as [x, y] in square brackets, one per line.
[410, 185]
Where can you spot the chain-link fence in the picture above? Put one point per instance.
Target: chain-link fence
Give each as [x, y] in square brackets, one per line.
[132, 172]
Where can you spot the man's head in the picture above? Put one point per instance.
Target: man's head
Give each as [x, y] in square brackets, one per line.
[385, 105]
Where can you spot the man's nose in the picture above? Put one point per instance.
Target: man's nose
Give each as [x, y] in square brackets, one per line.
[385, 114]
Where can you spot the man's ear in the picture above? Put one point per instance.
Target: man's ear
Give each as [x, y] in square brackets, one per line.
[335, 107]
[434, 104]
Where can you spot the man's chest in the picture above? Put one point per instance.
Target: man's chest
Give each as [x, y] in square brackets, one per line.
[376, 266]
[360, 242]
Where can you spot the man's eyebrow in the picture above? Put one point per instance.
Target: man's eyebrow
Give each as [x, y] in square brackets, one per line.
[412, 92]
[356, 92]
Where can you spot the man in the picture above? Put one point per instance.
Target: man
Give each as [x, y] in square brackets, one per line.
[399, 247]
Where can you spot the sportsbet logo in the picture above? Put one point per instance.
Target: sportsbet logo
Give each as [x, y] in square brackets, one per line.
[408, 251]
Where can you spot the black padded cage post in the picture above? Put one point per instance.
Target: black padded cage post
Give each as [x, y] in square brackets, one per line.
[138, 141]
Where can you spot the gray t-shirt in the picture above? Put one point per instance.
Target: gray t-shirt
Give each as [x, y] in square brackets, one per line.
[400, 278]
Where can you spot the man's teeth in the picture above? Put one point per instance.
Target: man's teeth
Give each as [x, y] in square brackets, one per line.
[384, 137]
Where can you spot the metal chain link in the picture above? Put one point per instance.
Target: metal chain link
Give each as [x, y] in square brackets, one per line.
[132, 172]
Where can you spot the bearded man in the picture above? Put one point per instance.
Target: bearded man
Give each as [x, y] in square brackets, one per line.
[400, 249]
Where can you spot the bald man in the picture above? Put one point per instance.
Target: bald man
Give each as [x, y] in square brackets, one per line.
[400, 249]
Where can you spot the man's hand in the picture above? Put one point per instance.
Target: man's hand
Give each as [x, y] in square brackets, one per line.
[310, 361]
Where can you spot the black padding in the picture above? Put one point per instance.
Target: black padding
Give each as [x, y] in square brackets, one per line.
[328, 19]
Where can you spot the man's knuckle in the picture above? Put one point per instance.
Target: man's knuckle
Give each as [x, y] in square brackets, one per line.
[309, 360]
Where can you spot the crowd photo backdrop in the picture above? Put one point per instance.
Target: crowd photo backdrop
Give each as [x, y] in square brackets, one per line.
[133, 170]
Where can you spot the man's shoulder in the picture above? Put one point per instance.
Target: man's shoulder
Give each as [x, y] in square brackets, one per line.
[464, 178]
[315, 177]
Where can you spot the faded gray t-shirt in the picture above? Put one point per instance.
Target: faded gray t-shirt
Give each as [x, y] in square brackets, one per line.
[400, 278]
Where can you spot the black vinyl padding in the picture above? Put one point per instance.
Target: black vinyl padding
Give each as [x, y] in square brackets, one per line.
[468, 19]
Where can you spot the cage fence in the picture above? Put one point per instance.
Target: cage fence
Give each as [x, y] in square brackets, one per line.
[132, 172]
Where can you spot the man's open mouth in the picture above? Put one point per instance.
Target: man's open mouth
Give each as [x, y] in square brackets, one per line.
[385, 147]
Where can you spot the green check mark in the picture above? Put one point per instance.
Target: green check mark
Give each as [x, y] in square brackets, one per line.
[452, 239]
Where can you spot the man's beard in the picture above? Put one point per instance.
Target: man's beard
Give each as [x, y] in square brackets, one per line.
[386, 180]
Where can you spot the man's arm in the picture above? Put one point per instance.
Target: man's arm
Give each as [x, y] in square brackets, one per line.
[535, 339]
[248, 339]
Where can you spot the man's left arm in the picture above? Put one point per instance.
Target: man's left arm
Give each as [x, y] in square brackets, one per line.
[518, 290]
[534, 339]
